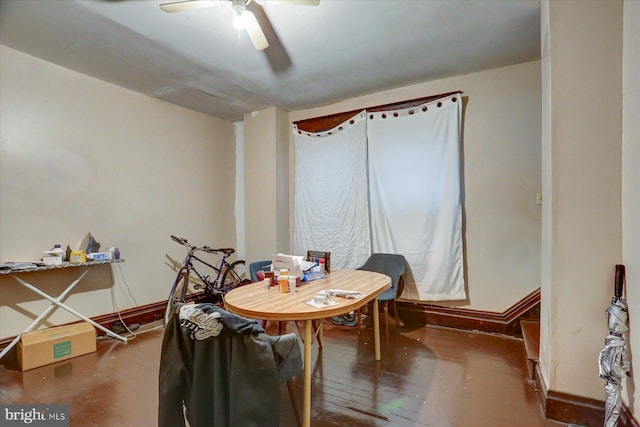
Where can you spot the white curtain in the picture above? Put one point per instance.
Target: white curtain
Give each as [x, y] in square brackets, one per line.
[415, 194]
[405, 198]
[331, 203]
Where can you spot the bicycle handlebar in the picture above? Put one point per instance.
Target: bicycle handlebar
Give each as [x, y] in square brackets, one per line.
[179, 239]
[185, 242]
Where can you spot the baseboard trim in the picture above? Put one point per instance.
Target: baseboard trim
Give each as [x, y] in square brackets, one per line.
[507, 322]
[142, 314]
[627, 419]
[460, 318]
[578, 410]
[572, 409]
[558, 406]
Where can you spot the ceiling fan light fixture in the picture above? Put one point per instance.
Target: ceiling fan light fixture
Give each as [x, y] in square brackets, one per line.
[243, 18]
[238, 5]
[239, 21]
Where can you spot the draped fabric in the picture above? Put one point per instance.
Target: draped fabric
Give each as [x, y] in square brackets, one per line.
[415, 196]
[387, 181]
[331, 212]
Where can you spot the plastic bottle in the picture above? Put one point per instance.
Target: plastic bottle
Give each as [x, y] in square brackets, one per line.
[116, 253]
[283, 280]
[292, 283]
[322, 263]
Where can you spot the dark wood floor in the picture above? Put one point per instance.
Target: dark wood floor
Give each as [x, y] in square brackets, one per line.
[428, 376]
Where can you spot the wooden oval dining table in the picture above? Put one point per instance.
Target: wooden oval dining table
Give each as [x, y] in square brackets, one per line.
[256, 302]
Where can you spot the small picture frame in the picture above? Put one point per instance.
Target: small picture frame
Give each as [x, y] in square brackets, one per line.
[314, 255]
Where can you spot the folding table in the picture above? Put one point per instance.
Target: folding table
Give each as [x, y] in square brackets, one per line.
[56, 302]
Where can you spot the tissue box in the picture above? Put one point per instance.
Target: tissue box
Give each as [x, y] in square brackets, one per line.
[288, 262]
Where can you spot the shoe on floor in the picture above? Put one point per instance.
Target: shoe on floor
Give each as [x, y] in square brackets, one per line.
[349, 319]
[345, 320]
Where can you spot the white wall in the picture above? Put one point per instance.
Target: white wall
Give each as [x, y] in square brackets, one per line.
[584, 175]
[501, 175]
[239, 207]
[546, 228]
[267, 183]
[283, 177]
[79, 155]
[260, 169]
[631, 188]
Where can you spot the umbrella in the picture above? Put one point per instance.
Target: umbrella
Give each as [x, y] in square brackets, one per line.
[614, 364]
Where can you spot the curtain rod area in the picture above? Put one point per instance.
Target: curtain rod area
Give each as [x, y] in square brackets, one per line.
[322, 123]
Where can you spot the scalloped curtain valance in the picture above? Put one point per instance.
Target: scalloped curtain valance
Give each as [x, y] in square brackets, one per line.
[387, 181]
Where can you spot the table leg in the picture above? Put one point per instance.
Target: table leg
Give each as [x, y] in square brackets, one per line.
[376, 328]
[306, 408]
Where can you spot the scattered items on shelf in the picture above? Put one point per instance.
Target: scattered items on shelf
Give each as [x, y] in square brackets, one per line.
[58, 257]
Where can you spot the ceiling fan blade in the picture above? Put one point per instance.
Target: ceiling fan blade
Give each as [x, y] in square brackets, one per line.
[255, 32]
[179, 6]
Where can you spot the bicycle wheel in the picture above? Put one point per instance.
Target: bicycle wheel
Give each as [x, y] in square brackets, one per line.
[178, 293]
[234, 275]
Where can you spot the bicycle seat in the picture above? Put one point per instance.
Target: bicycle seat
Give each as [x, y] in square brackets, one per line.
[227, 251]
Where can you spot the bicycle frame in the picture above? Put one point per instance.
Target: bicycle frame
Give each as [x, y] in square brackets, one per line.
[210, 287]
[226, 275]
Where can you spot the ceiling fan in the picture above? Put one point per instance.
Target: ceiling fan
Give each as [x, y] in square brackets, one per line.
[243, 18]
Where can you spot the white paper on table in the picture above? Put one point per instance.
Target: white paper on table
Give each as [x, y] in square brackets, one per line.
[344, 294]
[316, 305]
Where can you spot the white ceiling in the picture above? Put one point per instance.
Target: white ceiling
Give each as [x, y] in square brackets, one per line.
[317, 54]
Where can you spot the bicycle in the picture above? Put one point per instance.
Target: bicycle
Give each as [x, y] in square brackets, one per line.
[228, 275]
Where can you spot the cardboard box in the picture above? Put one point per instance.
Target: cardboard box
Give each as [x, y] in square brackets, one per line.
[45, 346]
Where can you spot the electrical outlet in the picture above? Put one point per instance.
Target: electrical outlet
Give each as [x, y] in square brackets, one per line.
[539, 199]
